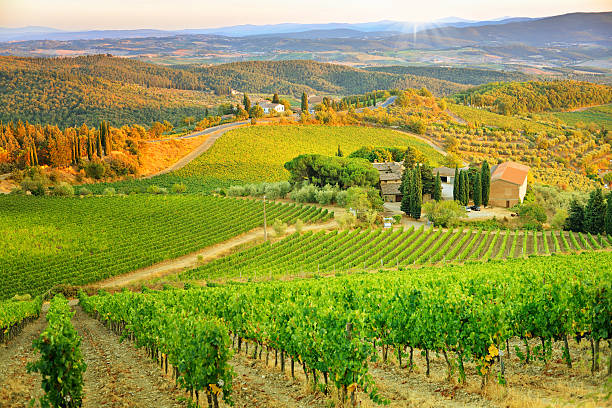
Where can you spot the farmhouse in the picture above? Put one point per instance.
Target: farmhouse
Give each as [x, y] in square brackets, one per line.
[390, 178]
[447, 174]
[269, 107]
[508, 184]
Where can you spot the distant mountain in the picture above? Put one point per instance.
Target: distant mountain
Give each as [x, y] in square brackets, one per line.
[565, 29]
[466, 76]
[286, 30]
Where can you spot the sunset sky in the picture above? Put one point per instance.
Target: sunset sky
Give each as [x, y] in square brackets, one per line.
[176, 14]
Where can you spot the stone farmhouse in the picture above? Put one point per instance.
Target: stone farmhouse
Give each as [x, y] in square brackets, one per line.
[508, 184]
[390, 176]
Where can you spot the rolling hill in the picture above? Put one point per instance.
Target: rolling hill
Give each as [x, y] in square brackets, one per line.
[69, 91]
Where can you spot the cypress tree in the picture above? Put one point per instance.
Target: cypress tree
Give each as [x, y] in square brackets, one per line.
[417, 197]
[406, 189]
[466, 188]
[275, 98]
[456, 185]
[575, 220]
[595, 212]
[89, 148]
[477, 192]
[99, 145]
[437, 192]
[304, 102]
[102, 131]
[339, 154]
[245, 101]
[107, 139]
[608, 218]
[485, 179]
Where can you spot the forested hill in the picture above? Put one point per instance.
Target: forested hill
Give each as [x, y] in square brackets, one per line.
[466, 76]
[69, 91]
[293, 77]
[534, 96]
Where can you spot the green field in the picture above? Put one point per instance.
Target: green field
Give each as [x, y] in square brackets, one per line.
[252, 154]
[48, 241]
[330, 252]
[259, 153]
[600, 115]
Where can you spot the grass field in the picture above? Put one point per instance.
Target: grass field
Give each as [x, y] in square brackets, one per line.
[600, 115]
[49, 241]
[252, 154]
[259, 153]
[321, 252]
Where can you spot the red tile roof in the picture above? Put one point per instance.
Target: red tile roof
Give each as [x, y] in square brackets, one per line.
[511, 172]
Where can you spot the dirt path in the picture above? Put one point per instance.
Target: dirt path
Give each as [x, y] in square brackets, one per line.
[206, 254]
[117, 374]
[214, 135]
[457, 118]
[17, 387]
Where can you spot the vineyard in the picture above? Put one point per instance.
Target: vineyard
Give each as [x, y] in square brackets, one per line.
[14, 315]
[334, 329]
[50, 241]
[330, 252]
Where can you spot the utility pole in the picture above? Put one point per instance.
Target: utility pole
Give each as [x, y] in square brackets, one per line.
[265, 223]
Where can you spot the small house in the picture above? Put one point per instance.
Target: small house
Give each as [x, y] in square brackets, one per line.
[390, 180]
[269, 107]
[508, 184]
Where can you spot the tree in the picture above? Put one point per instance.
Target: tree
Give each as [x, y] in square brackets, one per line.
[304, 102]
[594, 213]
[275, 98]
[466, 188]
[256, 112]
[417, 195]
[406, 189]
[575, 220]
[485, 179]
[246, 102]
[456, 185]
[444, 213]
[477, 190]
[608, 218]
[437, 192]
[339, 153]
[532, 215]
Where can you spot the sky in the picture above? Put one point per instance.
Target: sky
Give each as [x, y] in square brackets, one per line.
[179, 14]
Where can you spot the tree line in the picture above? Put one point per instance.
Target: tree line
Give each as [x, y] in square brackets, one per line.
[595, 217]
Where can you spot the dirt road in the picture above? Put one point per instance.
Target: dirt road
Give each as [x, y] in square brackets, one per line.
[206, 254]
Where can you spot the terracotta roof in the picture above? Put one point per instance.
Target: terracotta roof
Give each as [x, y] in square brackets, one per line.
[390, 188]
[511, 172]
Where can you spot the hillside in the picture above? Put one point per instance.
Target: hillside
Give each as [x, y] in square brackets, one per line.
[534, 96]
[69, 91]
[466, 76]
[293, 77]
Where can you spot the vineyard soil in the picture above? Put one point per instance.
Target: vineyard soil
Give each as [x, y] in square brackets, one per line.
[191, 260]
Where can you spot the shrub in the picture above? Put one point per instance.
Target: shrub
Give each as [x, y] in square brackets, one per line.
[63, 189]
[84, 191]
[35, 186]
[122, 165]
[342, 198]
[272, 191]
[306, 194]
[95, 170]
[279, 227]
[179, 188]
[443, 213]
[299, 226]
[109, 191]
[153, 189]
[237, 191]
[346, 220]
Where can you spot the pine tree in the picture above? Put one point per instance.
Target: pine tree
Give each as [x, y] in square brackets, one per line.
[485, 179]
[304, 102]
[608, 218]
[477, 190]
[417, 197]
[456, 185]
[594, 213]
[437, 192]
[246, 102]
[275, 98]
[406, 189]
[575, 220]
